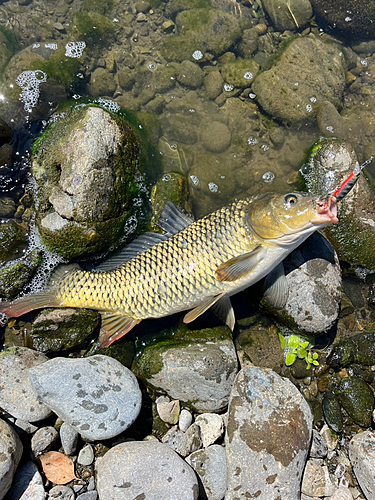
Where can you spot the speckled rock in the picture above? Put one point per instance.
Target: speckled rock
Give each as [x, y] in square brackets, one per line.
[27, 484]
[362, 457]
[319, 448]
[211, 466]
[314, 281]
[211, 426]
[197, 368]
[10, 453]
[97, 396]
[17, 395]
[293, 88]
[43, 439]
[145, 470]
[69, 438]
[267, 438]
[316, 481]
[61, 493]
[183, 443]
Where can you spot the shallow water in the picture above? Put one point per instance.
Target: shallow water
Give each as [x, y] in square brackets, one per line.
[227, 146]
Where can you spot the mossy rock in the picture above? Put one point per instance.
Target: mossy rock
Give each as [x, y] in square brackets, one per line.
[12, 240]
[207, 30]
[85, 166]
[91, 27]
[172, 187]
[15, 275]
[58, 330]
[8, 47]
[241, 73]
[97, 6]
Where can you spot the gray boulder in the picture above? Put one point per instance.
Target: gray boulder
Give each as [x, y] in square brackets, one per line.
[140, 469]
[17, 396]
[97, 396]
[267, 438]
[307, 72]
[197, 368]
[362, 458]
[314, 282]
[84, 166]
[10, 453]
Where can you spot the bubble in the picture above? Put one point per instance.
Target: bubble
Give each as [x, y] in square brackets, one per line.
[268, 177]
[74, 49]
[36, 46]
[252, 96]
[296, 84]
[197, 54]
[308, 108]
[29, 81]
[108, 104]
[173, 146]
[52, 46]
[137, 202]
[248, 75]
[130, 225]
[213, 187]
[228, 87]
[151, 65]
[166, 177]
[115, 20]
[252, 141]
[264, 147]
[312, 99]
[364, 62]
[348, 19]
[194, 180]
[329, 128]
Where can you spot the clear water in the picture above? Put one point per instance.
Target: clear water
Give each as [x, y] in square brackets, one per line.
[114, 54]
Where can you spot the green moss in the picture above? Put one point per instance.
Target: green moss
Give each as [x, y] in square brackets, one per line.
[12, 239]
[15, 275]
[58, 67]
[234, 73]
[8, 47]
[91, 27]
[97, 6]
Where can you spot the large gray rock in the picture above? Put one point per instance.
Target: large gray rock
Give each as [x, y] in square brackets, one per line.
[362, 458]
[211, 466]
[10, 455]
[27, 484]
[314, 282]
[140, 469]
[97, 396]
[17, 396]
[308, 72]
[197, 368]
[268, 436]
[84, 166]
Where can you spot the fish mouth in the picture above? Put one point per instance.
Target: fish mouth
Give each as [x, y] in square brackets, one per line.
[326, 210]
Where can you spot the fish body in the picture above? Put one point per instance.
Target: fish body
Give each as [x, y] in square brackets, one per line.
[194, 266]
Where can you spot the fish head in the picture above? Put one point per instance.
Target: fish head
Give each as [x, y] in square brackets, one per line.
[277, 216]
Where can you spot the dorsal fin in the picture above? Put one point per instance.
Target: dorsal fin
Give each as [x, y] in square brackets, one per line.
[134, 248]
[172, 219]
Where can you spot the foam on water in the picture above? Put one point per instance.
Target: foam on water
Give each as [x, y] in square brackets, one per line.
[29, 82]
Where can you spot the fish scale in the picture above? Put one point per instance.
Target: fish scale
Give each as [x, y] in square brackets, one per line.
[131, 289]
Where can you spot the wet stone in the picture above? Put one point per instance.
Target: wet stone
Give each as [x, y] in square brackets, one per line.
[69, 438]
[61, 493]
[147, 470]
[43, 440]
[362, 457]
[332, 411]
[211, 466]
[262, 408]
[27, 484]
[190, 75]
[10, 453]
[357, 399]
[17, 395]
[97, 396]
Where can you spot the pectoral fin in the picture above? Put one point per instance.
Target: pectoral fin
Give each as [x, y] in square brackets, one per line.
[114, 326]
[197, 311]
[276, 287]
[240, 266]
[224, 310]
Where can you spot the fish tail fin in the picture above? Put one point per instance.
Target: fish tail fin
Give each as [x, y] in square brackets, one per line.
[38, 300]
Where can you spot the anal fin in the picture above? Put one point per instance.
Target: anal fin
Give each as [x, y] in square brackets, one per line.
[224, 310]
[115, 326]
[199, 310]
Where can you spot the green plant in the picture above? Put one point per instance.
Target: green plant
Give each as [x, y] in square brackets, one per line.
[295, 346]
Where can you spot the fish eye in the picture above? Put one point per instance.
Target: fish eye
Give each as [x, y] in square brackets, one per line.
[289, 200]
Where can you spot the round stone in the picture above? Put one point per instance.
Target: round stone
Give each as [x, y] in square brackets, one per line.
[216, 138]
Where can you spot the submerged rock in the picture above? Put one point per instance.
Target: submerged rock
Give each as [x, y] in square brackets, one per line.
[357, 399]
[297, 83]
[16, 274]
[84, 166]
[357, 349]
[196, 367]
[288, 14]
[267, 438]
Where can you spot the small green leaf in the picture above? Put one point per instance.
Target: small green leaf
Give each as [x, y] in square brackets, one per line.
[282, 341]
[290, 358]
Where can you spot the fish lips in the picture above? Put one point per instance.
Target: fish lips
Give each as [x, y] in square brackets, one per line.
[326, 210]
